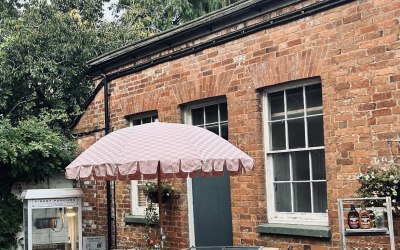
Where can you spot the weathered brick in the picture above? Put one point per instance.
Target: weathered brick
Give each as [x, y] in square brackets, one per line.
[294, 42]
[353, 48]
[395, 78]
[352, 18]
[367, 106]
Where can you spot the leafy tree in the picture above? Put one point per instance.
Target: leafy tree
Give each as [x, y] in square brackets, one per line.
[42, 61]
[90, 10]
[8, 8]
[43, 50]
[147, 17]
[32, 143]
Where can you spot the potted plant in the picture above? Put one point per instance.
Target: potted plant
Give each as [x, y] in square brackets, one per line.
[151, 191]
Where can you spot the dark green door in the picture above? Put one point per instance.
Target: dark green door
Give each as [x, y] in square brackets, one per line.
[212, 213]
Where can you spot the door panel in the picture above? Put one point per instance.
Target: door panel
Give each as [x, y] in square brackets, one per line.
[212, 211]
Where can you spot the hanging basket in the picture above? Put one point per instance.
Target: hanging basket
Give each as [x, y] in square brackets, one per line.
[153, 196]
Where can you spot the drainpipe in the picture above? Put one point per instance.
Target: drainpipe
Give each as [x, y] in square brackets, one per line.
[108, 185]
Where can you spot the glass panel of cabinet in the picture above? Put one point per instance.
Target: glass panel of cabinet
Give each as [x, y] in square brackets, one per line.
[53, 219]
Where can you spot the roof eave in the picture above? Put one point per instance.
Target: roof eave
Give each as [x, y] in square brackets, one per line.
[201, 26]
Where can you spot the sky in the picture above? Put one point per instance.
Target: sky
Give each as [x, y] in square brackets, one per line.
[108, 13]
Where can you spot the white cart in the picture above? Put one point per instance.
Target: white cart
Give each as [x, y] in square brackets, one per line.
[53, 219]
[346, 232]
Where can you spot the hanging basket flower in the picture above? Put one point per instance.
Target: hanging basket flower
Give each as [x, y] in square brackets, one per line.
[151, 191]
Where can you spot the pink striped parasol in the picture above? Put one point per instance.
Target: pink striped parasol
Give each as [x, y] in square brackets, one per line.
[159, 150]
[180, 150]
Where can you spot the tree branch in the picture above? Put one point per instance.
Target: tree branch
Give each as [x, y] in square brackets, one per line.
[18, 104]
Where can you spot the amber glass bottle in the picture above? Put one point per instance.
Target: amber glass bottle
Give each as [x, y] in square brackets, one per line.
[365, 220]
[353, 218]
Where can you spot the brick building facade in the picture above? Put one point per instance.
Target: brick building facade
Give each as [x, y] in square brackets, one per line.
[256, 59]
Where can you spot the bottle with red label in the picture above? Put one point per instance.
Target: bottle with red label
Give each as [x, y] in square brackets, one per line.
[353, 218]
[364, 219]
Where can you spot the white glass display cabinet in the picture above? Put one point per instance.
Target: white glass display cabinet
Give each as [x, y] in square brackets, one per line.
[381, 224]
[53, 219]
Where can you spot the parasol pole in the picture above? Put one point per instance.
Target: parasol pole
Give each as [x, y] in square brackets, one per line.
[160, 212]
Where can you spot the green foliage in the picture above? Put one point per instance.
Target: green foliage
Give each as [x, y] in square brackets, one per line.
[152, 235]
[151, 191]
[31, 151]
[90, 10]
[381, 183]
[10, 221]
[152, 187]
[43, 55]
[8, 8]
[148, 17]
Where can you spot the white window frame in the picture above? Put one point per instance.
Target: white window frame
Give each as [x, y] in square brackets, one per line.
[135, 208]
[285, 217]
[187, 120]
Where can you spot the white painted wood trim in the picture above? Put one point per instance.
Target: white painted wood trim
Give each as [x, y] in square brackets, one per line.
[29, 218]
[80, 229]
[192, 237]
[189, 189]
[320, 219]
[135, 208]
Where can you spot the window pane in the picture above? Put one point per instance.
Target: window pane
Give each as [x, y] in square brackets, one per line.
[296, 133]
[278, 135]
[224, 131]
[315, 131]
[146, 120]
[282, 197]
[320, 199]
[295, 104]
[212, 113]
[318, 164]
[197, 116]
[223, 111]
[276, 103]
[213, 128]
[281, 167]
[136, 122]
[302, 197]
[300, 166]
[314, 99]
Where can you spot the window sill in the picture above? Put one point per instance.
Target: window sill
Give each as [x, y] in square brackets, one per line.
[299, 230]
[135, 219]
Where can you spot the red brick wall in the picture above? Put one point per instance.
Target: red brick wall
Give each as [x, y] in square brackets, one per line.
[354, 49]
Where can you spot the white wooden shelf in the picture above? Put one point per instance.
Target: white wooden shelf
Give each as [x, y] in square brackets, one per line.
[347, 232]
